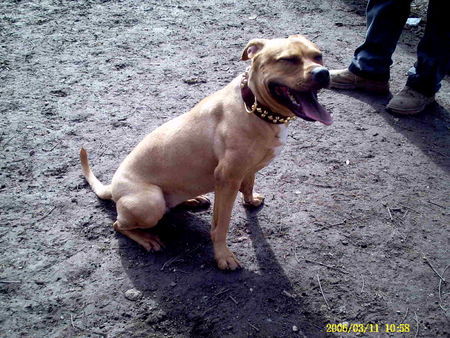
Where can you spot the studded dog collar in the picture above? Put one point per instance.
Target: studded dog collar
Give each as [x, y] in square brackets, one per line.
[255, 108]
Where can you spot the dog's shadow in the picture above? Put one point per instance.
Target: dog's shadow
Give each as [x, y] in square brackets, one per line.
[204, 301]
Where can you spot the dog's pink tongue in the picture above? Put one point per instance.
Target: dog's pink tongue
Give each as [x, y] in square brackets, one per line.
[313, 109]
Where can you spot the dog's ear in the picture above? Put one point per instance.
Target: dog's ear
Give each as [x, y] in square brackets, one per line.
[252, 48]
[297, 36]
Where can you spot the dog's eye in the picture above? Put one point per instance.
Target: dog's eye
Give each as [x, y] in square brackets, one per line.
[318, 58]
[290, 59]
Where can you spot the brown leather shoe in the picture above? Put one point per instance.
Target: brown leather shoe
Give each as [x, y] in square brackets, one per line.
[409, 102]
[345, 79]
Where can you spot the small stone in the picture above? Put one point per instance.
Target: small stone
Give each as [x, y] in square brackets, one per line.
[173, 284]
[133, 294]
[295, 328]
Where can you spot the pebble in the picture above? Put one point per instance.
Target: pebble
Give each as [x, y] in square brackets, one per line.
[295, 328]
[133, 294]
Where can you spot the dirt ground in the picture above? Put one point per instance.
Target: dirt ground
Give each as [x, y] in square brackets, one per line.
[355, 228]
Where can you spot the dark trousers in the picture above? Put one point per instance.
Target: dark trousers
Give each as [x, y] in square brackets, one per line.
[385, 22]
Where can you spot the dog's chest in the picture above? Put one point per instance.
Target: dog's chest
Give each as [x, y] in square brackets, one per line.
[281, 138]
[275, 149]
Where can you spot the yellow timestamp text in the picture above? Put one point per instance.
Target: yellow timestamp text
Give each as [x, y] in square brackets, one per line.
[367, 328]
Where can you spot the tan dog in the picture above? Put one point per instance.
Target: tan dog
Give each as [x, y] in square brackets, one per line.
[219, 145]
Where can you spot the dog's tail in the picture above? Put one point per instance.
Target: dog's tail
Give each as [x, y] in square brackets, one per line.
[101, 190]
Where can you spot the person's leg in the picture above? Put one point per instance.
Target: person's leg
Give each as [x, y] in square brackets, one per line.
[433, 52]
[369, 69]
[433, 56]
[385, 22]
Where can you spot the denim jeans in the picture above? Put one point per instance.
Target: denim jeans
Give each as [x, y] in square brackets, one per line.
[385, 22]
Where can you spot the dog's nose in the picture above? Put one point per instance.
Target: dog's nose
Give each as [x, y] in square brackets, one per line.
[321, 76]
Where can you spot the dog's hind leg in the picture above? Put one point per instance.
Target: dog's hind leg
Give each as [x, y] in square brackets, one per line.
[141, 210]
[199, 202]
[149, 241]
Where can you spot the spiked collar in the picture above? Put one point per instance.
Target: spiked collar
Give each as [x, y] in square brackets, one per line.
[255, 108]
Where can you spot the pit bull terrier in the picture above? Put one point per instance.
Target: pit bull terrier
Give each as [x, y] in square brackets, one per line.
[219, 145]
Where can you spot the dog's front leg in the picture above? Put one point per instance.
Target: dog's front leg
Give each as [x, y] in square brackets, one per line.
[227, 183]
[251, 199]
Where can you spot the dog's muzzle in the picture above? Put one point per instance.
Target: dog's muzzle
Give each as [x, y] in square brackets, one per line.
[321, 76]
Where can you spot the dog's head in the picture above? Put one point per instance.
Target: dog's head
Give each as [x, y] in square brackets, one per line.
[286, 74]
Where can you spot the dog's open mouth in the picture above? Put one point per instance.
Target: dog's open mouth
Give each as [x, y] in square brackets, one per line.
[303, 104]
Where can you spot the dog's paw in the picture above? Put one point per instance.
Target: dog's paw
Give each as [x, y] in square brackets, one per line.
[150, 242]
[226, 260]
[256, 201]
[199, 202]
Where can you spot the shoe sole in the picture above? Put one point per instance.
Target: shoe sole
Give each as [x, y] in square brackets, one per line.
[408, 111]
[374, 88]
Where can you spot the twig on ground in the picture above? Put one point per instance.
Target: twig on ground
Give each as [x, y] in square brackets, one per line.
[224, 290]
[319, 263]
[7, 142]
[295, 255]
[327, 266]
[207, 310]
[390, 214]
[331, 225]
[338, 223]
[49, 150]
[179, 270]
[417, 322]
[45, 216]
[362, 288]
[431, 266]
[73, 324]
[406, 315]
[439, 292]
[406, 213]
[411, 209]
[178, 258]
[436, 204]
[327, 186]
[288, 294]
[438, 152]
[253, 326]
[171, 261]
[234, 300]
[321, 291]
